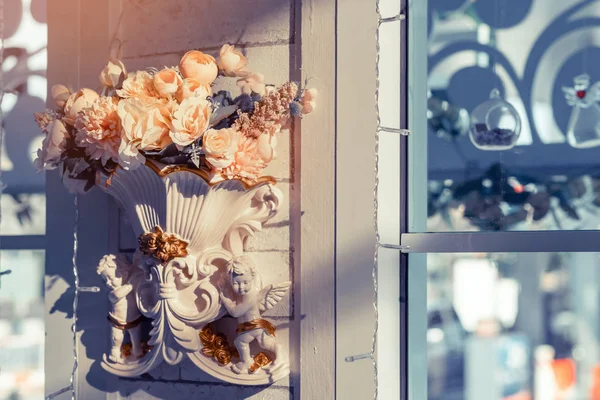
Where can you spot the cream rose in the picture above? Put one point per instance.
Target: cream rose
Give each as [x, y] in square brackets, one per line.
[139, 84]
[199, 66]
[113, 74]
[192, 88]
[54, 144]
[76, 103]
[247, 163]
[167, 82]
[231, 61]
[60, 95]
[220, 146]
[190, 120]
[146, 125]
[252, 82]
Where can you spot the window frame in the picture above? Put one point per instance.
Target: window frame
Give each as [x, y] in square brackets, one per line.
[415, 242]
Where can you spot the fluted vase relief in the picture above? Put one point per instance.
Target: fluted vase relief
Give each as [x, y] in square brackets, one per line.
[186, 275]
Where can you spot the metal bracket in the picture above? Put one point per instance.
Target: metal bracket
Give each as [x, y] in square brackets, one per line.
[402, 248]
[358, 357]
[89, 289]
[399, 17]
[403, 132]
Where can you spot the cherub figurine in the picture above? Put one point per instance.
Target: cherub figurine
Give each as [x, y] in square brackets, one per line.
[119, 276]
[246, 283]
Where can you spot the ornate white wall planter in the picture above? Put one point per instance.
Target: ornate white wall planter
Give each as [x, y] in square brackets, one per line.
[189, 273]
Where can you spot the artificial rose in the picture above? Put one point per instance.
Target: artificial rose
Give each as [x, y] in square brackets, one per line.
[76, 103]
[231, 61]
[167, 82]
[252, 82]
[60, 95]
[113, 74]
[192, 88]
[247, 163]
[145, 124]
[199, 66]
[145, 127]
[54, 144]
[308, 101]
[190, 120]
[99, 130]
[220, 146]
[139, 84]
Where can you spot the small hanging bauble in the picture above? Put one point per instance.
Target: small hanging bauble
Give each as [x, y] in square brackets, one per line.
[495, 124]
[584, 124]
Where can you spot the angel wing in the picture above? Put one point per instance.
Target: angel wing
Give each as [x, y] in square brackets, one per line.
[272, 294]
[570, 95]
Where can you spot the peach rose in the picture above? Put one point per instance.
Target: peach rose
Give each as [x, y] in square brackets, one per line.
[54, 144]
[76, 103]
[220, 146]
[252, 82]
[190, 120]
[60, 95]
[113, 74]
[247, 162]
[192, 88]
[146, 124]
[145, 127]
[199, 66]
[308, 101]
[167, 82]
[231, 61]
[139, 84]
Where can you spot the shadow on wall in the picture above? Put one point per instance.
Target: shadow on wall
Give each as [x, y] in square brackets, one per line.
[24, 80]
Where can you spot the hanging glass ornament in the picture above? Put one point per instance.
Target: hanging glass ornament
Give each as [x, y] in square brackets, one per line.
[583, 130]
[495, 124]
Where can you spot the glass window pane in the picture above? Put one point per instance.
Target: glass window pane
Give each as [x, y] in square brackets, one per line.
[513, 325]
[535, 53]
[23, 214]
[22, 324]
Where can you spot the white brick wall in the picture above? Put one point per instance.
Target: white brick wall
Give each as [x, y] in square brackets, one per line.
[156, 34]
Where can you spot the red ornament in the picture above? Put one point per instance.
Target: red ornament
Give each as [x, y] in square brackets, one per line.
[581, 94]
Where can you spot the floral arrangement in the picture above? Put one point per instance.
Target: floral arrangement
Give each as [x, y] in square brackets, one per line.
[171, 116]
